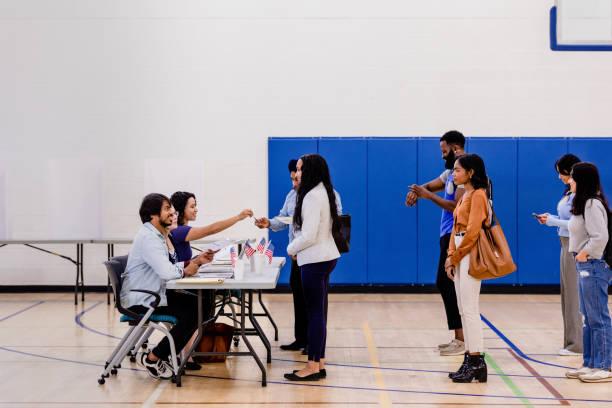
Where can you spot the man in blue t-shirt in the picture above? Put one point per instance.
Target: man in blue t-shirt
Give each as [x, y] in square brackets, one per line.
[452, 146]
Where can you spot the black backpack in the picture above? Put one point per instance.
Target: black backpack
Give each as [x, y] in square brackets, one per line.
[343, 239]
[608, 250]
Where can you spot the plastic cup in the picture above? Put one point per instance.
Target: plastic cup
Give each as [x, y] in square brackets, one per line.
[259, 263]
[239, 269]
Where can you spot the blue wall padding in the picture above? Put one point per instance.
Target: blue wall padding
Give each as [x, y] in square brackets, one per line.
[347, 159]
[499, 155]
[430, 165]
[280, 151]
[392, 244]
[539, 190]
[392, 232]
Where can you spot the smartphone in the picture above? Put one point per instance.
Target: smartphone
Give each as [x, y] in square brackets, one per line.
[536, 216]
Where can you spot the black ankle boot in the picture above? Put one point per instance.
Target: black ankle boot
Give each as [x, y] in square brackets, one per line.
[463, 367]
[476, 369]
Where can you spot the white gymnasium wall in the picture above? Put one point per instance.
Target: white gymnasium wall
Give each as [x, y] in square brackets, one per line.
[99, 96]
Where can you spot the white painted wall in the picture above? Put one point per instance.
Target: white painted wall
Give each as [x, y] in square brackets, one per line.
[121, 87]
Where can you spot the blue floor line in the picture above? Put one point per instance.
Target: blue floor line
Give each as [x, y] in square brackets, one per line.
[62, 359]
[316, 385]
[515, 348]
[78, 321]
[22, 310]
[413, 369]
[406, 391]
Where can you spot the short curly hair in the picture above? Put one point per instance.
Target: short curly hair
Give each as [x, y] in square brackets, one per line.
[179, 202]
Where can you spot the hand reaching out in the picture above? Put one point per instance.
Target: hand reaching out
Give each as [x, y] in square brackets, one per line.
[245, 213]
[262, 222]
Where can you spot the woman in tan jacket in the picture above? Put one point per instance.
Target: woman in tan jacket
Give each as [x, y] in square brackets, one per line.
[470, 213]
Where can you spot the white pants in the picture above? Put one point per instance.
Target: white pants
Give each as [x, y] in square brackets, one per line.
[468, 292]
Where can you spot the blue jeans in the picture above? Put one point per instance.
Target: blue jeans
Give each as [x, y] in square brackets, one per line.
[593, 280]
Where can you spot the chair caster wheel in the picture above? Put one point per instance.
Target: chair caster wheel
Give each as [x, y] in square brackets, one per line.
[132, 359]
[114, 371]
[144, 345]
[101, 380]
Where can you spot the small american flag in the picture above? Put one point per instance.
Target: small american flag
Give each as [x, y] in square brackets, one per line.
[233, 257]
[261, 246]
[269, 252]
[248, 250]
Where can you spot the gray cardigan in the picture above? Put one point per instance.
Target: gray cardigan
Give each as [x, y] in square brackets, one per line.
[589, 231]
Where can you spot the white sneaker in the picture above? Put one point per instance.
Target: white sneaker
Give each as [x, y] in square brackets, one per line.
[576, 373]
[445, 345]
[456, 348]
[596, 375]
[159, 369]
[566, 352]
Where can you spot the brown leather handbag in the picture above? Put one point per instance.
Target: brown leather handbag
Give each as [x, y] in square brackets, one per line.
[217, 338]
[490, 257]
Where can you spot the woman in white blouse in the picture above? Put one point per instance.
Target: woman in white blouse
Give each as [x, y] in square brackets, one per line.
[315, 223]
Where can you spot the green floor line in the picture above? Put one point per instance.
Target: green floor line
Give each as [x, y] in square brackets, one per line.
[508, 381]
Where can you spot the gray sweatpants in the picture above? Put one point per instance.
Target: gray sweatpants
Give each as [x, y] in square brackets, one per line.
[570, 308]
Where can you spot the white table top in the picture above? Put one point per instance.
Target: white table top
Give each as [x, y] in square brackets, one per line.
[267, 280]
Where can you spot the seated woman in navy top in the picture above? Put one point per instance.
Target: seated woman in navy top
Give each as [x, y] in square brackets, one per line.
[185, 204]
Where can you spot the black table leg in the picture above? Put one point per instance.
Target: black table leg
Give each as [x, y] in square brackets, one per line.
[82, 278]
[258, 329]
[108, 256]
[76, 283]
[269, 316]
[244, 336]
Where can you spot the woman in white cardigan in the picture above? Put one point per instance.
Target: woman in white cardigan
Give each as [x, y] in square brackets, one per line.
[315, 223]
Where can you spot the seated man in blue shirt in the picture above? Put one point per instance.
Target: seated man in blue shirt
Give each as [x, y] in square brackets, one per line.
[149, 267]
[295, 279]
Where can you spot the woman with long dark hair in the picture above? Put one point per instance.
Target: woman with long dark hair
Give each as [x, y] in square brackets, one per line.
[315, 223]
[185, 204]
[471, 211]
[588, 237]
[570, 310]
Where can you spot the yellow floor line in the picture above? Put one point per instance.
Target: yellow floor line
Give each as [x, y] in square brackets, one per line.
[385, 402]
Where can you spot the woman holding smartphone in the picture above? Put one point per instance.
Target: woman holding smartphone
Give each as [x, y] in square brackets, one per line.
[471, 211]
[315, 222]
[588, 237]
[570, 310]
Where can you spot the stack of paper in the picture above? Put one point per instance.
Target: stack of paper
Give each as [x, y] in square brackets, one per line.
[216, 271]
[201, 280]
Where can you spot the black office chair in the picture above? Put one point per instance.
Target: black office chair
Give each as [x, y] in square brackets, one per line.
[141, 326]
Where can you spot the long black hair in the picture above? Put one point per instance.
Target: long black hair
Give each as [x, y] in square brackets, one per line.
[179, 202]
[564, 167]
[586, 177]
[315, 171]
[479, 178]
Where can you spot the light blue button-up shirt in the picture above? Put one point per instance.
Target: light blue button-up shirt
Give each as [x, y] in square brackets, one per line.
[148, 267]
[289, 209]
[561, 221]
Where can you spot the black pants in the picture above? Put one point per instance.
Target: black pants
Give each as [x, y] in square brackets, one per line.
[447, 288]
[299, 306]
[185, 308]
[315, 282]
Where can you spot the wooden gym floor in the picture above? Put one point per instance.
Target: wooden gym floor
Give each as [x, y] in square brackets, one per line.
[381, 352]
